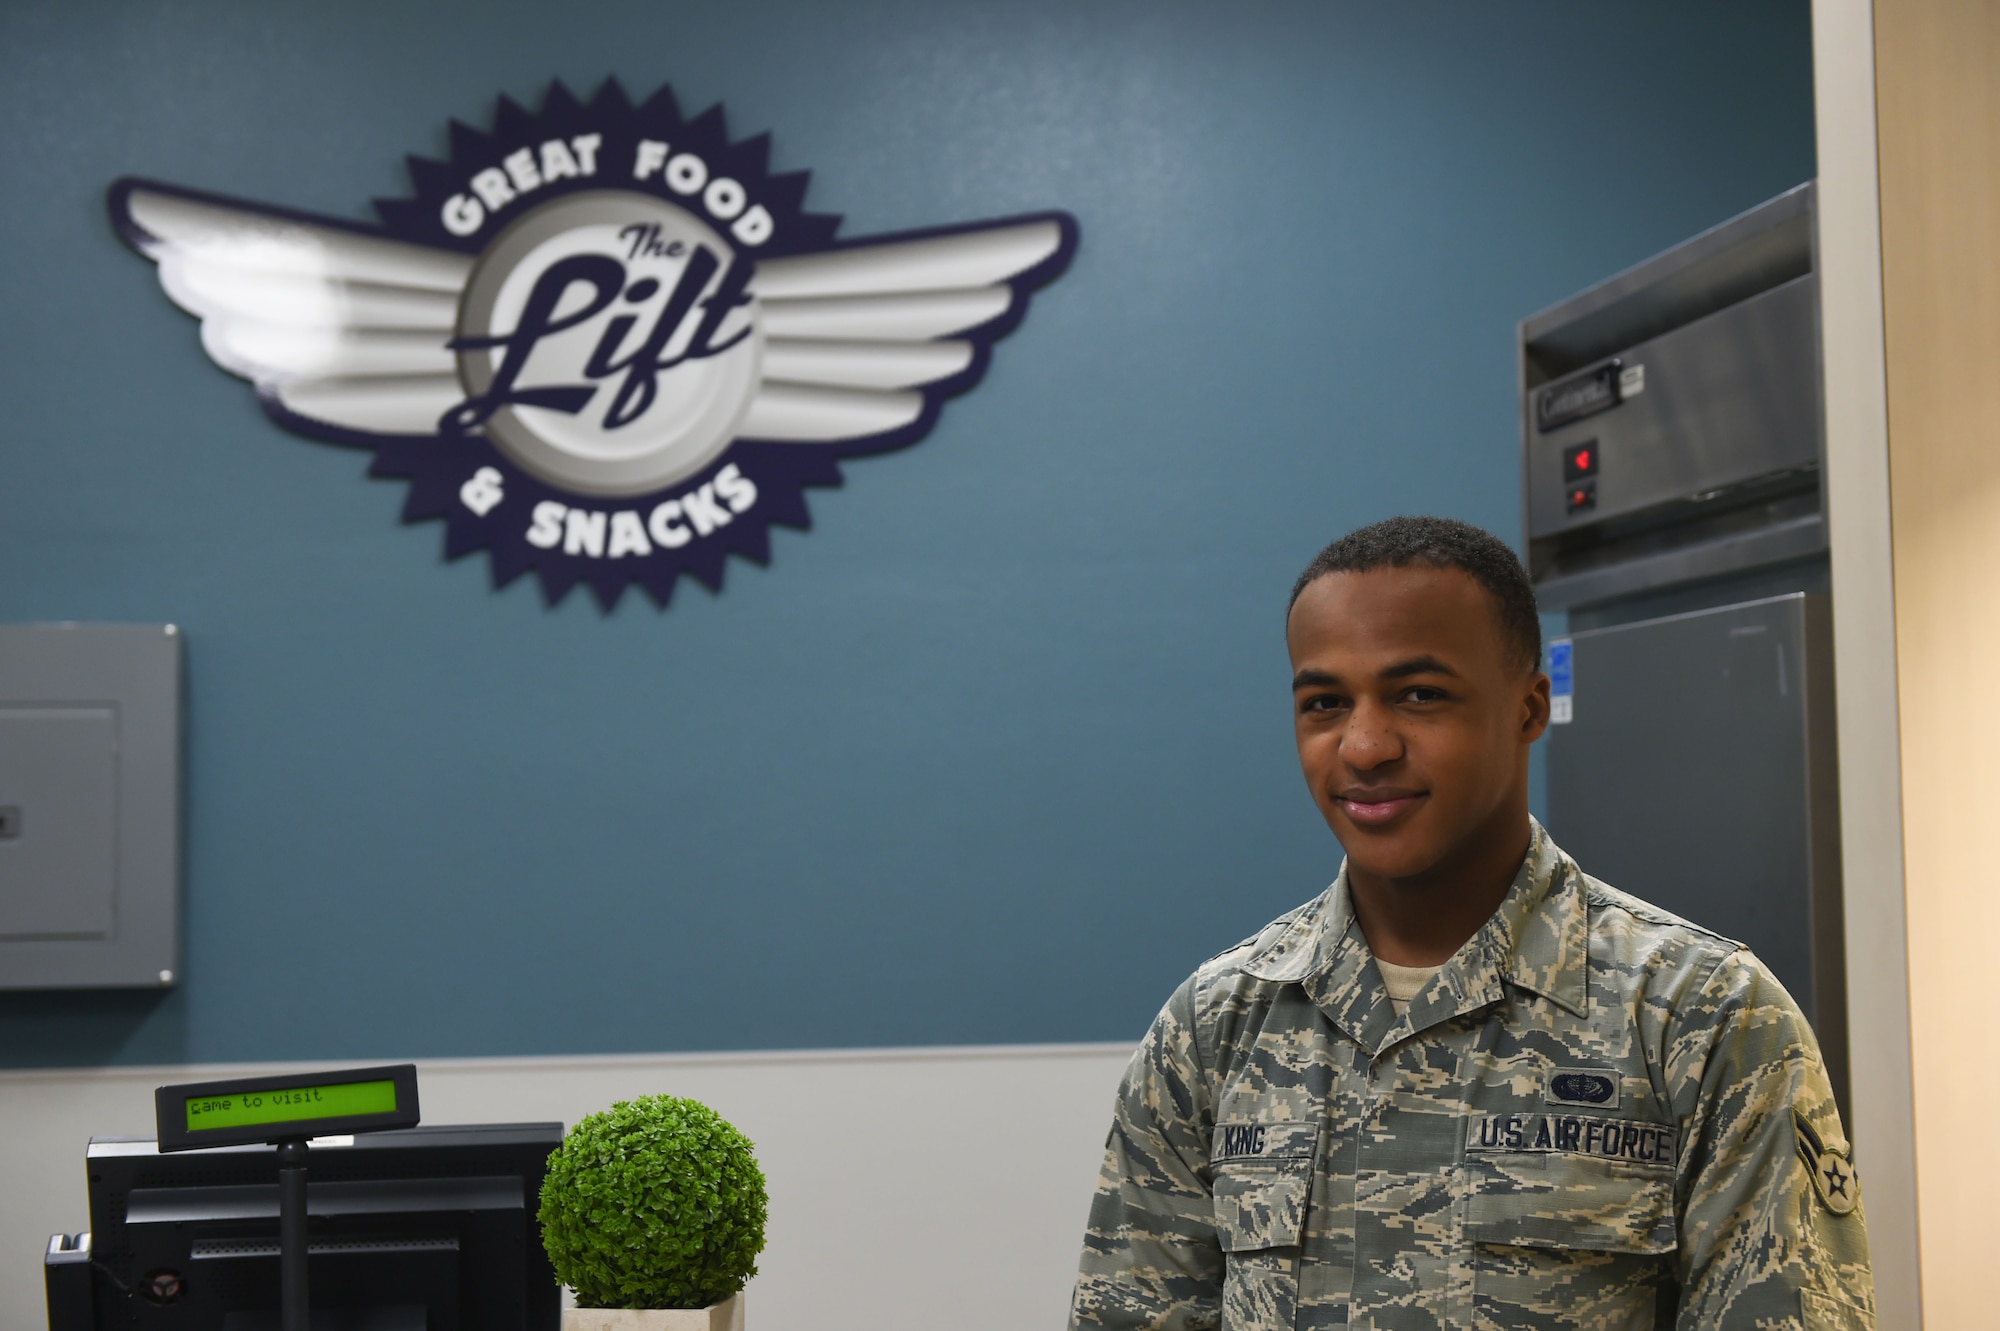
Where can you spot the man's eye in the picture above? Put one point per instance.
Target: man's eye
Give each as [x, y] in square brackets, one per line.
[1423, 693]
[1323, 702]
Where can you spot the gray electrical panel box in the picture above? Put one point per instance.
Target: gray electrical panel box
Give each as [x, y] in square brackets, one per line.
[90, 767]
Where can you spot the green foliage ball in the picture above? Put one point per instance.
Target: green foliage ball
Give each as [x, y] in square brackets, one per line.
[654, 1203]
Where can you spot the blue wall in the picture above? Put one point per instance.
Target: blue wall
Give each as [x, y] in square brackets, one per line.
[1000, 749]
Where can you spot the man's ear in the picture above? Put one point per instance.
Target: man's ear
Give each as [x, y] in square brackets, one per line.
[1535, 715]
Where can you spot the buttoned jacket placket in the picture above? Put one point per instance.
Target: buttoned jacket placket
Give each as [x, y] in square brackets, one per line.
[1384, 1215]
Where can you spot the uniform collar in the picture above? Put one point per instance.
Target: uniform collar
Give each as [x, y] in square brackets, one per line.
[1537, 940]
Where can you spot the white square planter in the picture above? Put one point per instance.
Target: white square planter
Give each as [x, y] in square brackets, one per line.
[721, 1317]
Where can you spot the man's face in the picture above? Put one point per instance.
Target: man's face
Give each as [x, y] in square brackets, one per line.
[1413, 716]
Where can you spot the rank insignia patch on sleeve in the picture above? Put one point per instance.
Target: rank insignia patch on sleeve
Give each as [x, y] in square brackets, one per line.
[1833, 1177]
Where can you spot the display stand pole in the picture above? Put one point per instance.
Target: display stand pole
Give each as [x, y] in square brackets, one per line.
[294, 1306]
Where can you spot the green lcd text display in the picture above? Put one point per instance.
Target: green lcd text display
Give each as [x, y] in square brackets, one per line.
[255, 1109]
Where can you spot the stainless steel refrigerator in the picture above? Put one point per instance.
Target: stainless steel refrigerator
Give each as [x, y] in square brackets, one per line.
[1697, 771]
[1672, 450]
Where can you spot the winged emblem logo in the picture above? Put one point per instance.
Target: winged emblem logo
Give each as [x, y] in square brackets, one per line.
[601, 341]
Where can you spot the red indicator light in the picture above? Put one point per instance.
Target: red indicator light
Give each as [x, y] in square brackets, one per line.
[1581, 496]
[1580, 461]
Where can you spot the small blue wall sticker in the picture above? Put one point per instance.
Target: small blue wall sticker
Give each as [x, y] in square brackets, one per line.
[602, 342]
[1562, 682]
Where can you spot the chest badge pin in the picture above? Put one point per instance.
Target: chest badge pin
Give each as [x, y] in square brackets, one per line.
[1587, 1087]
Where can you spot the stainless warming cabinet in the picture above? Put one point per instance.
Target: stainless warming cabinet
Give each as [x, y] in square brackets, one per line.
[1671, 428]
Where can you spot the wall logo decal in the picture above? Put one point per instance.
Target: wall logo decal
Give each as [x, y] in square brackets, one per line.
[602, 341]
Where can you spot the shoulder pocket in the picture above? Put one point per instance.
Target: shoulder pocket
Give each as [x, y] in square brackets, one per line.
[1565, 1201]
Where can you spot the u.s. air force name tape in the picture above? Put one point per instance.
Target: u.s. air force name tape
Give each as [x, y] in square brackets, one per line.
[1574, 1134]
[1250, 1141]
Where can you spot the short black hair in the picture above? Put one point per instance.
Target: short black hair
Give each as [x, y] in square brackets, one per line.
[1441, 543]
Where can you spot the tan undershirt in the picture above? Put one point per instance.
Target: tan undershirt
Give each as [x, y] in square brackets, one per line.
[1404, 982]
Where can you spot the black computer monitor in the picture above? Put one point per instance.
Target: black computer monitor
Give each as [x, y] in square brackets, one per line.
[425, 1229]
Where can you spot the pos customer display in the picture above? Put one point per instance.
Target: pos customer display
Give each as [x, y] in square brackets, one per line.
[309, 1202]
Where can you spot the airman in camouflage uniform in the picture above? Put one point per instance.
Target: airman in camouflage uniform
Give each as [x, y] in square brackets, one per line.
[1596, 1115]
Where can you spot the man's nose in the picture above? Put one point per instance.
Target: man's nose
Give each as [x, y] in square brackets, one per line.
[1369, 738]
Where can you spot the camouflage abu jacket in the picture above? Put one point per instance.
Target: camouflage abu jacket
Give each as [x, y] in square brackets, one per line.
[1597, 1115]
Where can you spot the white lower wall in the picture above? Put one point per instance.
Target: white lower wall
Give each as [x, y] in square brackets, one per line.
[909, 1188]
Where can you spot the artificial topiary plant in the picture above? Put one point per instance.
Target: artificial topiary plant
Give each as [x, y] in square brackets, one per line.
[654, 1203]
